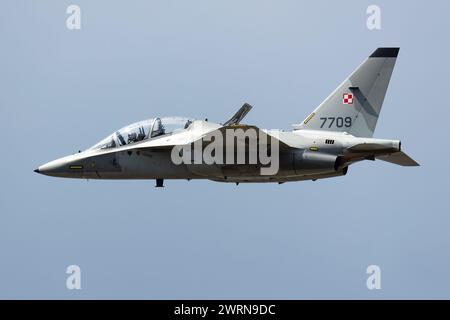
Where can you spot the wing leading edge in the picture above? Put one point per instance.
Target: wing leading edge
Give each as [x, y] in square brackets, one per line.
[239, 115]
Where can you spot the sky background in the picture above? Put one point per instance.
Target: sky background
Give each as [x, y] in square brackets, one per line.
[63, 90]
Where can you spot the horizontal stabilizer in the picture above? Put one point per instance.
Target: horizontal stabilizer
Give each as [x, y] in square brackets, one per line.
[400, 158]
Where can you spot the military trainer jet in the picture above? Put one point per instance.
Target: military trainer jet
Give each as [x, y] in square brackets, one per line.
[335, 135]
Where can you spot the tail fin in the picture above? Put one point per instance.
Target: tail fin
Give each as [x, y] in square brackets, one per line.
[355, 105]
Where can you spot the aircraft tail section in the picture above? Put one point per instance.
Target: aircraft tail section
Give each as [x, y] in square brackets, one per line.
[355, 105]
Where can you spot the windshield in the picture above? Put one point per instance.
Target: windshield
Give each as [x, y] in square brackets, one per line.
[143, 130]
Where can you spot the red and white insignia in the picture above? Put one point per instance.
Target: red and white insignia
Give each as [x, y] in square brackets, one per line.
[347, 98]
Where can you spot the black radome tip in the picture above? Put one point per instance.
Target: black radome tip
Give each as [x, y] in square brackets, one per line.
[385, 53]
[37, 171]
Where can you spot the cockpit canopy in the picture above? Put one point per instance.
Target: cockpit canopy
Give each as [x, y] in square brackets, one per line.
[143, 130]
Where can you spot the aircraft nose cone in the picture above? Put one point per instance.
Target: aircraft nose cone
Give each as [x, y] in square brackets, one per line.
[56, 168]
[51, 168]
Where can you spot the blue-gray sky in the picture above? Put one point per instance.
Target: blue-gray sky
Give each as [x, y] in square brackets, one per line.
[63, 90]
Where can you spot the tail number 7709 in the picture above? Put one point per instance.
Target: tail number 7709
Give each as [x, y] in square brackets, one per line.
[338, 122]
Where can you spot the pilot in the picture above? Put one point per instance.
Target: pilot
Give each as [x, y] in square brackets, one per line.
[132, 137]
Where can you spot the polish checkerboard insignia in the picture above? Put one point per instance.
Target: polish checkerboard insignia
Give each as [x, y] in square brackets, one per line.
[347, 98]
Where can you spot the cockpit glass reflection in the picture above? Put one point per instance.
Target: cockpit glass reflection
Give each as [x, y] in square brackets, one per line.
[144, 130]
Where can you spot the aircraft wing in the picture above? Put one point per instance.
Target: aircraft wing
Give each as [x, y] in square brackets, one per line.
[239, 115]
[262, 136]
[400, 158]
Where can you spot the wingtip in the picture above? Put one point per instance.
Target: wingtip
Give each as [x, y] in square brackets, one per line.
[247, 105]
[385, 53]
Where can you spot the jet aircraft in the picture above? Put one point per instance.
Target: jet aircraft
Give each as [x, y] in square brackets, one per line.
[337, 134]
